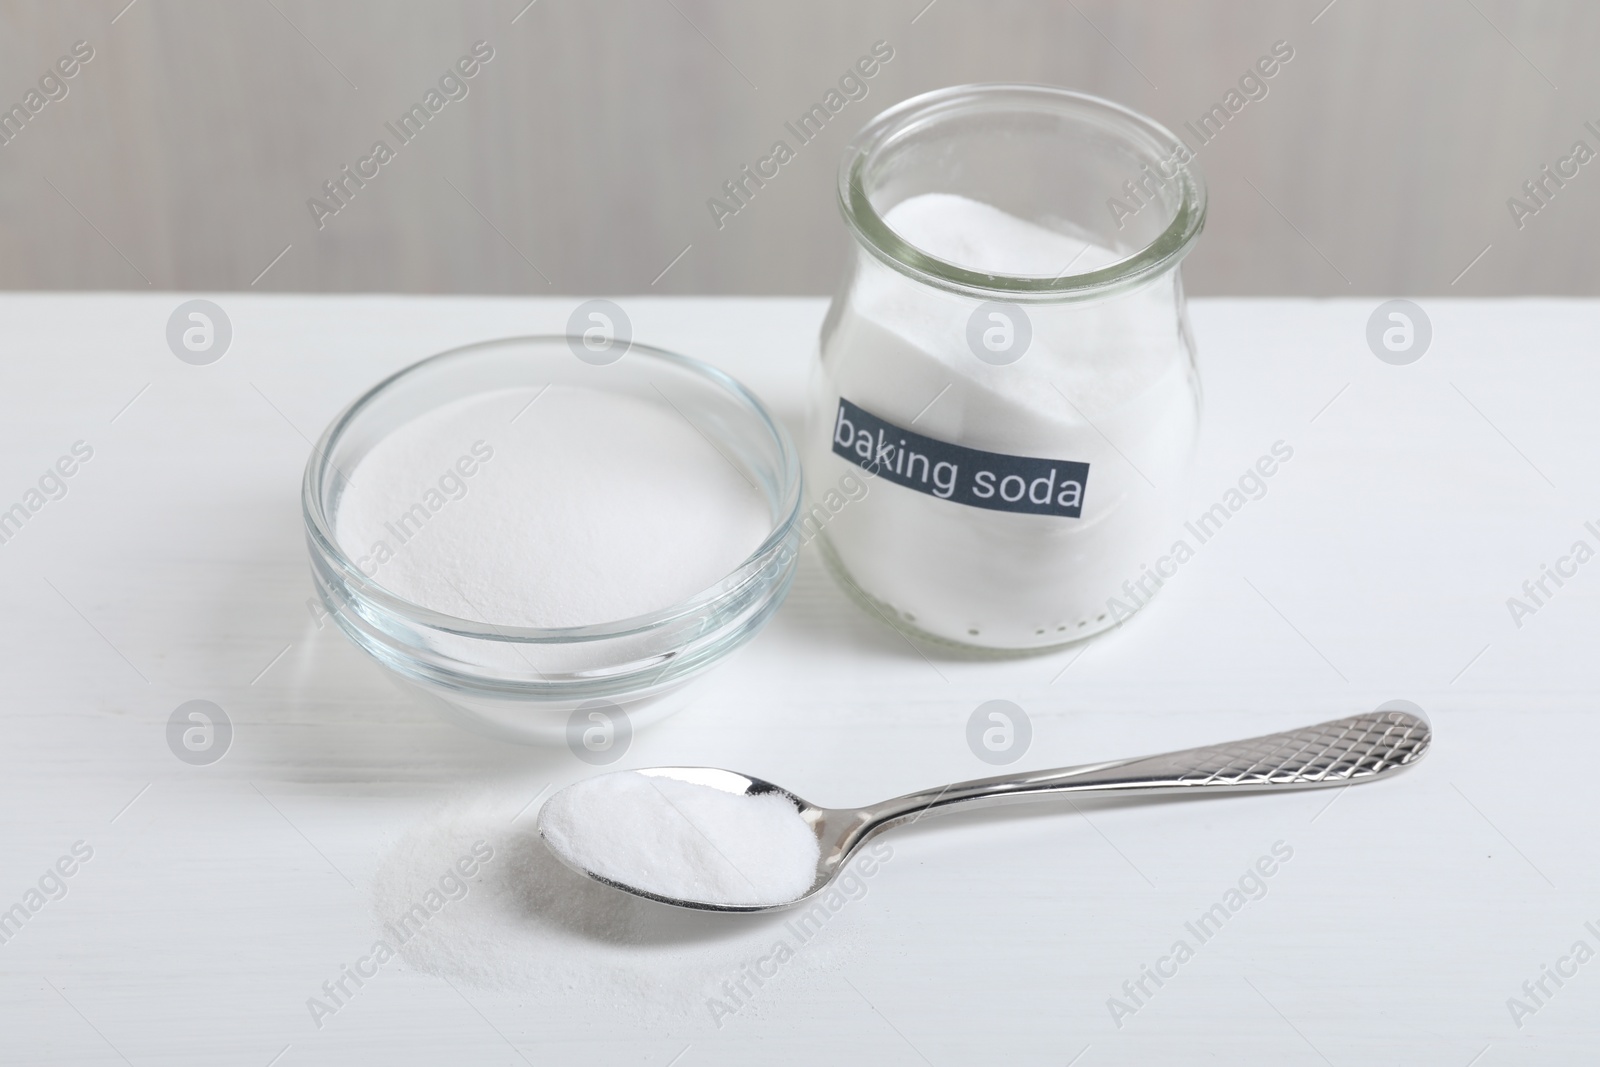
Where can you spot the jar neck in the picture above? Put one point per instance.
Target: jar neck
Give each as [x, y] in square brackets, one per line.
[931, 130]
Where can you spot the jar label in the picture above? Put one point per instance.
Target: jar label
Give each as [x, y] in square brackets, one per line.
[968, 476]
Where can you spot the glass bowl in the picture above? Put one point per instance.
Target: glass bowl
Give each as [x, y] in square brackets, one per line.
[534, 684]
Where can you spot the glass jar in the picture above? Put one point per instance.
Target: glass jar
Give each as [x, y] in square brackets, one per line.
[1008, 362]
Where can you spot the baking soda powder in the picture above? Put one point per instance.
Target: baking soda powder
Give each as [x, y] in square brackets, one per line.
[548, 508]
[683, 840]
[1018, 496]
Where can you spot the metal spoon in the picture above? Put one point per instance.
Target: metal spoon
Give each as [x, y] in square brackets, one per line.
[1360, 748]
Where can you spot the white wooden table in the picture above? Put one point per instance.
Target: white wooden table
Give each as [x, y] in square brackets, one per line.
[219, 898]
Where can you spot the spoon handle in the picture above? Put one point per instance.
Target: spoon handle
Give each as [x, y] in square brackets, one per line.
[1341, 752]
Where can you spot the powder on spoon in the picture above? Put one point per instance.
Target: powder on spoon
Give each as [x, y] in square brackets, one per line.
[566, 507]
[684, 840]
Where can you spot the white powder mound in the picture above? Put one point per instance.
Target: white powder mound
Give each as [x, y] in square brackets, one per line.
[684, 840]
[583, 507]
[981, 237]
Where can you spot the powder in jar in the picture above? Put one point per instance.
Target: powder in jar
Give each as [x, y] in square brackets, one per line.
[683, 840]
[1107, 382]
[562, 507]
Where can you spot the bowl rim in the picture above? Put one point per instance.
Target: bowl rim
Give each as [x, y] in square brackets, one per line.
[320, 531]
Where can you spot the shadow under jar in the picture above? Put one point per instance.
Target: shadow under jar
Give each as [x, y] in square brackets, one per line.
[1009, 358]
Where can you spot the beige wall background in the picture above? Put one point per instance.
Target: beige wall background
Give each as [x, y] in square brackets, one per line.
[580, 161]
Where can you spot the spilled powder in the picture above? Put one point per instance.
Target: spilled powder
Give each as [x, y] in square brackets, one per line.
[533, 937]
[684, 840]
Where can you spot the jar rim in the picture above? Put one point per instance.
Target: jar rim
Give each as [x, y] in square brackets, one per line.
[1162, 253]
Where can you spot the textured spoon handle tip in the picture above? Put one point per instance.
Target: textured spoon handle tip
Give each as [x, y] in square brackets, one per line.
[1344, 750]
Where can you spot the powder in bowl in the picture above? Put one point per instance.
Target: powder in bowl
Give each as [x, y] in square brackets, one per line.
[684, 840]
[566, 506]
